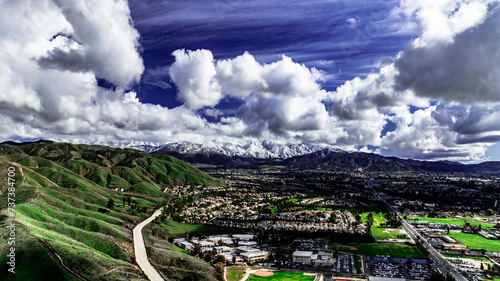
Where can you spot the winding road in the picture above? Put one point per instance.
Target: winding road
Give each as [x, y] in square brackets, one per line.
[140, 250]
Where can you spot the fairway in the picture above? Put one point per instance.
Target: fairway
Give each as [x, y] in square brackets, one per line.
[476, 242]
[383, 249]
[283, 276]
[450, 221]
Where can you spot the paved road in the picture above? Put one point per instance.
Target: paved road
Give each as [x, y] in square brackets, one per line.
[140, 250]
[442, 264]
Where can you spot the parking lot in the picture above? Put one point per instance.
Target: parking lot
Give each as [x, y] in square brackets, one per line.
[387, 269]
[345, 264]
[417, 270]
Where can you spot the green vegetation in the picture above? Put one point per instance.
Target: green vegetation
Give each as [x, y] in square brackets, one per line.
[378, 232]
[67, 202]
[476, 242]
[178, 229]
[358, 263]
[378, 218]
[384, 249]
[179, 266]
[283, 275]
[385, 233]
[467, 257]
[268, 168]
[33, 261]
[180, 250]
[235, 274]
[450, 221]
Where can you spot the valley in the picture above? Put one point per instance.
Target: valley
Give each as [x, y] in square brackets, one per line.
[77, 205]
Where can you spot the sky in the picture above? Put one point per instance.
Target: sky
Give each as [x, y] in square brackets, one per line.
[414, 79]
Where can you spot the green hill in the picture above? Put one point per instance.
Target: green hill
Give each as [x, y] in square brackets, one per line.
[67, 228]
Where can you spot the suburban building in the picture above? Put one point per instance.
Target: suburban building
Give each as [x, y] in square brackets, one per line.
[304, 257]
[254, 256]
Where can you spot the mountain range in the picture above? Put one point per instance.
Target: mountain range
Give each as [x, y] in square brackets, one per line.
[254, 154]
[307, 156]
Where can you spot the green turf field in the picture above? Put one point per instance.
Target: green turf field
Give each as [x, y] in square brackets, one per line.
[381, 233]
[385, 233]
[476, 242]
[450, 221]
[390, 249]
[235, 274]
[283, 276]
[467, 257]
[178, 228]
[377, 219]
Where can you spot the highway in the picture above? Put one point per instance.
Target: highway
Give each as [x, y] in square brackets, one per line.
[441, 263]
[140, 250]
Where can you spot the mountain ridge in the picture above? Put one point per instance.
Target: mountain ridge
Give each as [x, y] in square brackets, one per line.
[253, 154]
[81, 203]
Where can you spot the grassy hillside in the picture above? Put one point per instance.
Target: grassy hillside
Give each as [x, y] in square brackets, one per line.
[66, 229]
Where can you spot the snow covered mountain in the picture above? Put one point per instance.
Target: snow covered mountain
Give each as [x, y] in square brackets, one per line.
[249, 149]
[245, 149]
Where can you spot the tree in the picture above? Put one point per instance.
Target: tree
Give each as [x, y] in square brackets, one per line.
[333, 217]
[111, 204]
[370, 219]
[220, 267]
[197, 251]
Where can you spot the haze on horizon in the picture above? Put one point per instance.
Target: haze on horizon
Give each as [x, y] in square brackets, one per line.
[414, 79]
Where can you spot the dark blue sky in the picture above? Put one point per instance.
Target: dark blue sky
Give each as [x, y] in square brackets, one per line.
[315, 33]
[413, 79]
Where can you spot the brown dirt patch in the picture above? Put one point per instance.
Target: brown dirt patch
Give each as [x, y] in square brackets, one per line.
[348, 247]
[263, 273]
[124, 245]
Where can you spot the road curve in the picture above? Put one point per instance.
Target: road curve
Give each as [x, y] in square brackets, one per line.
[140, 250]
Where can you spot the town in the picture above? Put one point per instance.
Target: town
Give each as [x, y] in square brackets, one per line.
[356, 225]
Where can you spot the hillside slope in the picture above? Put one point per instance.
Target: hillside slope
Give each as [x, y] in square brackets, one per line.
[334, 160]
[73, 220]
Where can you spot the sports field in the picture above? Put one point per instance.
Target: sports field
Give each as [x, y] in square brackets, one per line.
[381, 249]
[385, 233]
[476, 242]
[450, 221]
[177, 228]
[381, 233]
[377, 219]
[283, 276]
[235, 274]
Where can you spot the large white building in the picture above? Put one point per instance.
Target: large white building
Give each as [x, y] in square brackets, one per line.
[304, 257]
[254, 256]
[243, 237]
